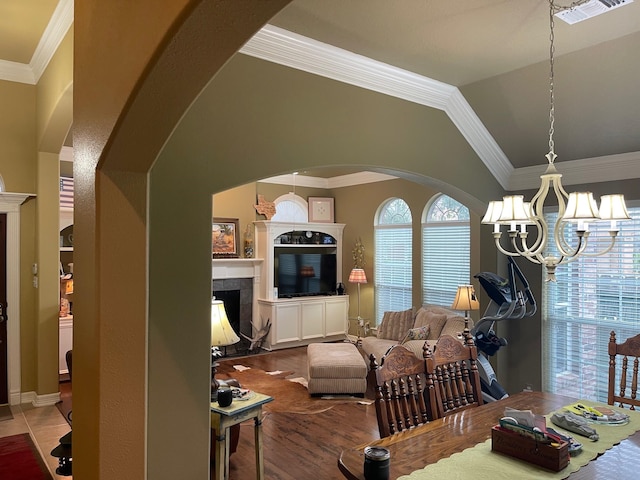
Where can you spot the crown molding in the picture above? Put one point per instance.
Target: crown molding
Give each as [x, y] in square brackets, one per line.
[57, 28]
[359, 178]
[16, 72]
[473, 130]
[609, 168]
[297, 181]
[286, 48]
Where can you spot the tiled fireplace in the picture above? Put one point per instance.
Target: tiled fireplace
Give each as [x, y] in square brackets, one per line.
[235, 282]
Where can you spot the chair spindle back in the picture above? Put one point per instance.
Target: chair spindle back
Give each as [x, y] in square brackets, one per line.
[630, 349]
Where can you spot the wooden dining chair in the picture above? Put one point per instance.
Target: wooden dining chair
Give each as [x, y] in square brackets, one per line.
[453, 371]
[400, 383]
[630, 349]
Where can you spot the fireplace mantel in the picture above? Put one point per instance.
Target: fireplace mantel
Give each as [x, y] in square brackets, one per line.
[236, 268]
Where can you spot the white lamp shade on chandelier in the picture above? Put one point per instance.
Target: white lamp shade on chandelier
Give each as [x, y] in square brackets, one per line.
[222, 333]
[579, 208]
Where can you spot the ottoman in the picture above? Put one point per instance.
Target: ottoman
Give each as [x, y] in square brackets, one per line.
[336, 368]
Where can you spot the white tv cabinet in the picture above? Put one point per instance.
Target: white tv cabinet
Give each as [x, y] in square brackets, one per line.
[304, 319]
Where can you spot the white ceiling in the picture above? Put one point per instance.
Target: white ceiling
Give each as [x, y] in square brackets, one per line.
[494, 51]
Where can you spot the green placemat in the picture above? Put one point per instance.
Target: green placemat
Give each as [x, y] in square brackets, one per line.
[480, 463]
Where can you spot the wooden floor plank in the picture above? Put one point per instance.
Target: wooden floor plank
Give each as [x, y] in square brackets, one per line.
[299, 446]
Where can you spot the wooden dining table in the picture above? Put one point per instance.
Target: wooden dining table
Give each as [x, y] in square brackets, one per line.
[412, 450]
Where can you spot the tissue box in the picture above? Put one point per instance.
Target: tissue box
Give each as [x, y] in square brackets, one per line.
[551, 456]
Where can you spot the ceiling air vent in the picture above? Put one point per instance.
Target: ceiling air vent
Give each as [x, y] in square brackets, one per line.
[590, 9]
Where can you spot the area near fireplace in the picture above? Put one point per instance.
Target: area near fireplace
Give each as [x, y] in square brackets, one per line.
[234, 281]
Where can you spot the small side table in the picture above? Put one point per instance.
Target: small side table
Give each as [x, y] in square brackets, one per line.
[222, 418]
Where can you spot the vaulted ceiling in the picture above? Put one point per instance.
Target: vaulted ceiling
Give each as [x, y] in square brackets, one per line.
[495, 53]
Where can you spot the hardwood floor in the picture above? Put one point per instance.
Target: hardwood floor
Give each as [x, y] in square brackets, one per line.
[298, 446]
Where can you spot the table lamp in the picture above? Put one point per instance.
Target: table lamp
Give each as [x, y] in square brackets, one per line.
[358, 276]
[222, 335]
[466, 300]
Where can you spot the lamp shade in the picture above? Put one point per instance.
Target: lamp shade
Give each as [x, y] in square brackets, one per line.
[613, 207]
[515, 209]
[357, 275]
[222, 333]
[494, 210]
[581, 206]
[466, 299]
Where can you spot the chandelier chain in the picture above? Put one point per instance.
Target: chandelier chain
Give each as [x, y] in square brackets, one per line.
[551, 157]
[579, 208]
[553, 8]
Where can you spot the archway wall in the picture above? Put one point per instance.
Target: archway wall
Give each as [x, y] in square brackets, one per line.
[274, 119]
[55, 98]
[135, 75]
[256, 119]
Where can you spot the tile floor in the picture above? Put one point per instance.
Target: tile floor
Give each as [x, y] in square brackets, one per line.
[45, 424]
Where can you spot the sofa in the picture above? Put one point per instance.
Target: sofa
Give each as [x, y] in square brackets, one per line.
[411, 328]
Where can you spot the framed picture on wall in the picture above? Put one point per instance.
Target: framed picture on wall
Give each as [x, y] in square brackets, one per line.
[321, 209]
[225, 241]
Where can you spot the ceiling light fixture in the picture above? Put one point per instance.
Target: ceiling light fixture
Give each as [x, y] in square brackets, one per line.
[578, 207]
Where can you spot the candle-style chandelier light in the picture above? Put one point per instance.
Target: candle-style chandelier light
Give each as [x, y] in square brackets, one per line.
[579, 208]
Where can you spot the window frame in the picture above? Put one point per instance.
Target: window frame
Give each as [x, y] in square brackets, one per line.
[442, 272]
[393, 268]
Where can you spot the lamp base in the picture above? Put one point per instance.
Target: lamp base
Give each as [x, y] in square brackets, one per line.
[214, 383]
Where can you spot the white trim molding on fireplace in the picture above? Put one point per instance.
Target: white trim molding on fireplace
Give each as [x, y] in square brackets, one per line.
[226, 268]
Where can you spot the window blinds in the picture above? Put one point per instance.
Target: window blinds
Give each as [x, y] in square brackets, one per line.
[592, 297]
[393, 270]
[445, 260]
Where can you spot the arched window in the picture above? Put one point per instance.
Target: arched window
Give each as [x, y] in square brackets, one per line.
[445, 250]
[291, 208]
[392, 272]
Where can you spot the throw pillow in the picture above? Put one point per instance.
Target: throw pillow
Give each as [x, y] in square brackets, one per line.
[394, 325]
[419, 333]
[435, 322]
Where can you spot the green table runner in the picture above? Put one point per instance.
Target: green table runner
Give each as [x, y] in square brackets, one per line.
[480, 463]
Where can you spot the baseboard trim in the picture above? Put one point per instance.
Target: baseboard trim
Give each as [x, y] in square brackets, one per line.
[40, 400]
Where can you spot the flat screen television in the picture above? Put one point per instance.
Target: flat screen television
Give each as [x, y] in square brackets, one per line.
[299, 274]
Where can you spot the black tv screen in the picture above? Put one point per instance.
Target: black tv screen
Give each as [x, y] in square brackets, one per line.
[300, 274]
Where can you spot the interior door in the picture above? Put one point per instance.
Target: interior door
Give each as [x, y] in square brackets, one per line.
[4, 375]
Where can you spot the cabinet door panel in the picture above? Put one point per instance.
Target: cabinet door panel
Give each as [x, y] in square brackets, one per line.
[337, 310]
[287, 325]
[312, 321]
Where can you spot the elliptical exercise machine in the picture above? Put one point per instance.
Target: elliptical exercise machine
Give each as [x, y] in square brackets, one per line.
[508, 302]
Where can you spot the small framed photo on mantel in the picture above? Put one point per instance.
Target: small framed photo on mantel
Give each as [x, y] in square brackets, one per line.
[321, 210]
[225, 241]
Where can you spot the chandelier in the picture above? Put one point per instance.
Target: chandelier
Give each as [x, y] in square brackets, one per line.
[579, 208]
